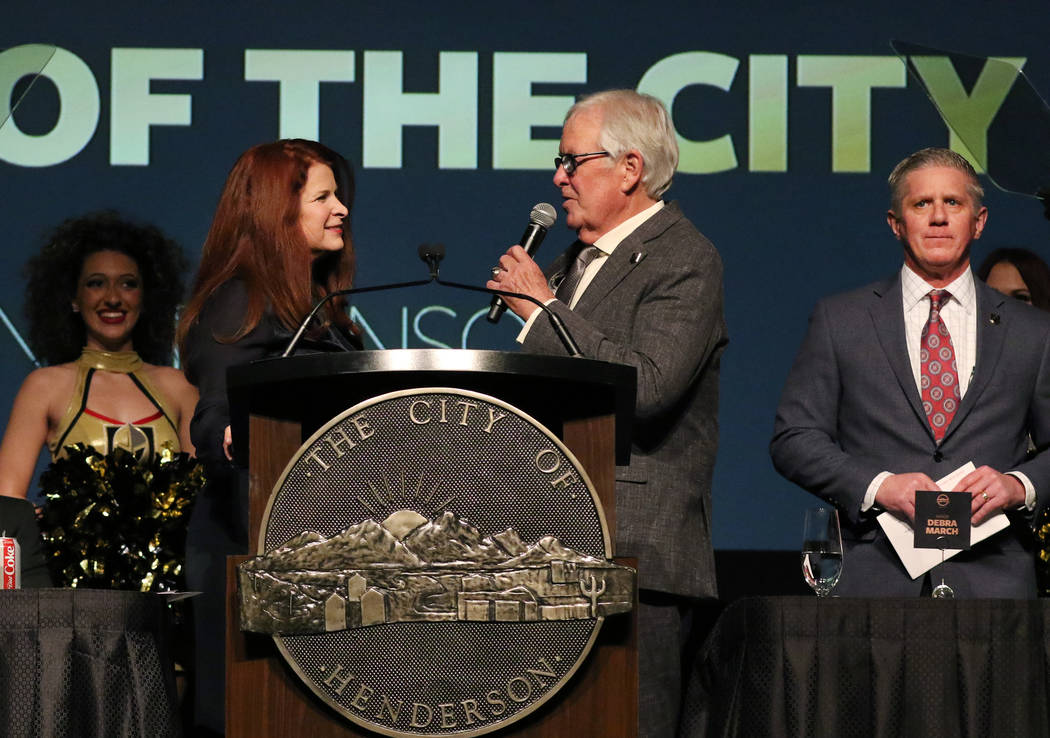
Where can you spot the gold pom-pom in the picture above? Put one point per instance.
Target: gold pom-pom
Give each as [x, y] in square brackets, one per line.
[111, 522]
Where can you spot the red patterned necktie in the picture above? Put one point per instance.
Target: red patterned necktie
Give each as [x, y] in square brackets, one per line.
[940, 375]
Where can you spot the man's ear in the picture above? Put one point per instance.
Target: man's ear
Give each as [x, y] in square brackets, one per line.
[633, 165]
[978, 226]
[894, 223]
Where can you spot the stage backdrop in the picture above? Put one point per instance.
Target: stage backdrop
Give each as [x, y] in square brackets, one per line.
[790, 117]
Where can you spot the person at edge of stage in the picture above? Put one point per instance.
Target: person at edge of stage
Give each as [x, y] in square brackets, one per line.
[100, 301]
[1017, 273]
[641, 286]
[1023, 275]
[280, 240]
[900, 383]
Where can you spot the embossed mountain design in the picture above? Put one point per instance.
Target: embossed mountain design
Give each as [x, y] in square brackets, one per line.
[548, 549]
[451, 540]
[303, 540]
[447, 542]
[360, 546]
[410, 569]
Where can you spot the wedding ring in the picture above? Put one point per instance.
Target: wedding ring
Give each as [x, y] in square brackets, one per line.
[985, 496]
[495, 272]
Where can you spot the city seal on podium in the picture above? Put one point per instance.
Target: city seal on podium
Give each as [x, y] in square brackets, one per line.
[433, 562]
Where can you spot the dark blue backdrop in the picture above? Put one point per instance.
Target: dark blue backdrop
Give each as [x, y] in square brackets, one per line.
[770, 76]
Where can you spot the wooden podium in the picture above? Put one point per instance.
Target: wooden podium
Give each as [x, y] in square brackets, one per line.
[279, 403]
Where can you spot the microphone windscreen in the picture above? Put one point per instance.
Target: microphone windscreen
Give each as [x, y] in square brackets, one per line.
[428, 251]
[543, 214]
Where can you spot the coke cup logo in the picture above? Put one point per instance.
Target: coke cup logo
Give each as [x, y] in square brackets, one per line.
[9, 563]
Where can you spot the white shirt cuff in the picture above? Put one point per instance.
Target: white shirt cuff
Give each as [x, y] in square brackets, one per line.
[528, 323]
[1029, 489]
[873, 487]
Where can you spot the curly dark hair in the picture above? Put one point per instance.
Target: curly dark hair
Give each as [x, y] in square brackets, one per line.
[56, 333]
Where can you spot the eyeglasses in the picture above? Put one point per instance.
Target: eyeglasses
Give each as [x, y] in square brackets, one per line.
[571, 161]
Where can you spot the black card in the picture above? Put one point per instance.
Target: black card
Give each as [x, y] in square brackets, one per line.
[942, 519]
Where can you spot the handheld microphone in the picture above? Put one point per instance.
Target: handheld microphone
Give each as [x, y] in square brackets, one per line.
[541, 218]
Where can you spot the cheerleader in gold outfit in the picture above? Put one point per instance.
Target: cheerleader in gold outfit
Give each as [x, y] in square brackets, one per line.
[100, 301]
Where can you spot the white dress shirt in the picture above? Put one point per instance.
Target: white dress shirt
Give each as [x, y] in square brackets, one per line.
[959, 315]
[606, 243]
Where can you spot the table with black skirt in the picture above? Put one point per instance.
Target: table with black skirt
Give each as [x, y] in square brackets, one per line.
[85, 663]
[802, 666]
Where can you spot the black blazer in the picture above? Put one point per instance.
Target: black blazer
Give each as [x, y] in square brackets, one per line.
[207, 359]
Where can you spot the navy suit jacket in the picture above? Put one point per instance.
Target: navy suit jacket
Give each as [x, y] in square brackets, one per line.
[656, 305]
[850, 409]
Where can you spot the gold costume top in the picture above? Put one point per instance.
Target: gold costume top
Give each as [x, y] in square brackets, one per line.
[80, 424]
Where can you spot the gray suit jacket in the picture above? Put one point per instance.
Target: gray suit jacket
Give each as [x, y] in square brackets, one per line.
[656, 304]
[850, 409]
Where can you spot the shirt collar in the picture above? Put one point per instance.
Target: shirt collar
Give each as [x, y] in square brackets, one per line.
[609, 241]
[915, 289]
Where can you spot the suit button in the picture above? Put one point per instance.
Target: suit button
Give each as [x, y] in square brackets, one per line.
[938, 457]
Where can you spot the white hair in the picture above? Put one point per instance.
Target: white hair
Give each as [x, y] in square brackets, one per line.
[632, 120]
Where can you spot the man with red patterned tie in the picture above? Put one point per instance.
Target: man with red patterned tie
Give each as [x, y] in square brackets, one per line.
[899, 383]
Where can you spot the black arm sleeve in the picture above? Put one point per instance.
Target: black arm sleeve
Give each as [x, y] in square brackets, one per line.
[207, 359]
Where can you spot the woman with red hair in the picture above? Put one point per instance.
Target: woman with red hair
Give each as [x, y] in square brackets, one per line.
[279, 241]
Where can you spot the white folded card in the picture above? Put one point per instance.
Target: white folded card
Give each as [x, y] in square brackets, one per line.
[918, 561]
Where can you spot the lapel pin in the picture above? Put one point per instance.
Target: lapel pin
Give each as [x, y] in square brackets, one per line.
[994, 318]
[637, 257]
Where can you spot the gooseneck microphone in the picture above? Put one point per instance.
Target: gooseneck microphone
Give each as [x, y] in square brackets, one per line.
[432, 254]
[343, 293]
[541, 218]
[557, 324]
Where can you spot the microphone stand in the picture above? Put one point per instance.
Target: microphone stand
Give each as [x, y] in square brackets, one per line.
[432, 261]
[340, 293]
[556, 322]
[433, 253]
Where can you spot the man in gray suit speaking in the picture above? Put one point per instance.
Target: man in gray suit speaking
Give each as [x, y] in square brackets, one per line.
[641, 286]
[899, 383]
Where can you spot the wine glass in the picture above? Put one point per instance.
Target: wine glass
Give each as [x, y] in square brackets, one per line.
[821, 549]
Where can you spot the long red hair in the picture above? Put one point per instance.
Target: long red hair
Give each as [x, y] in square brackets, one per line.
[255, 236]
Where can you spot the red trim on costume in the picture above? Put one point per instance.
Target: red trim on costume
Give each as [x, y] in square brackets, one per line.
[142, 421]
